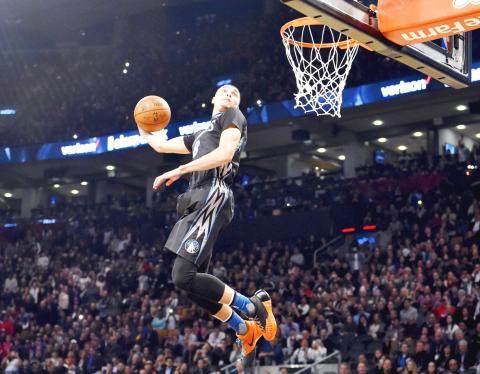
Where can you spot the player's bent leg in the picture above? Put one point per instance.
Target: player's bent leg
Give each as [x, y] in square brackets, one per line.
[186, 277]
[221, 312]
[211, 307]
[247, 332]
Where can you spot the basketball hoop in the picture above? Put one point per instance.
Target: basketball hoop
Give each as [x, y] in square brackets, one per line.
[321, 61]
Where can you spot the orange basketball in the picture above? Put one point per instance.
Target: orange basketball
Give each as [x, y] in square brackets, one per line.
[152, 113]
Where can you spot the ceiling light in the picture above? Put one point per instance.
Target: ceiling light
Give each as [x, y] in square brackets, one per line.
[125, 71]
[461, 108]
[377, 122]
[382, 140]
[402, 147]
[461, 127]
[75, 136]
[127, 64]
[321, 150]
[417, 134]
[342, 157]
[74, 192]
[110, 167]
[56, 185]
[7, 194]
[84, 183]
[477, 135]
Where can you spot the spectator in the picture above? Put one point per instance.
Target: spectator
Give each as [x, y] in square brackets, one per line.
[387, 366]
[409, 314]
[362, 368]
[452, 367]
[402, 358]
[451, 328]
[465, 358]
[318, 350]
[216, 337]
[13, 363]
[431, 368]
[344, 368]
[410, 367]
[304, 354]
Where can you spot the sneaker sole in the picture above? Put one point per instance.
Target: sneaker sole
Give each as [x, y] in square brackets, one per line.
[271, 325]
[263, 314]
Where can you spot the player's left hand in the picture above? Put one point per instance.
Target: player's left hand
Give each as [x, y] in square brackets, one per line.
[169, 177]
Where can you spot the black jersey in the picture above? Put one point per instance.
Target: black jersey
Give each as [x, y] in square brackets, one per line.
[203, 142]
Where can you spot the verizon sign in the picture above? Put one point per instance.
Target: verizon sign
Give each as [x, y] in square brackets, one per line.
[404, 87]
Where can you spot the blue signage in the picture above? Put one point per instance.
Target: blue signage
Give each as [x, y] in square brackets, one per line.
[7, 112]
[352, 97]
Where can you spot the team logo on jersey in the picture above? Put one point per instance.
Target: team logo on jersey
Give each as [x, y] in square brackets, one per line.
[192, 246]
[459, 4]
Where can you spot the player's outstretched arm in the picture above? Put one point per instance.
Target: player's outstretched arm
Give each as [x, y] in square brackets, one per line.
[175, 145]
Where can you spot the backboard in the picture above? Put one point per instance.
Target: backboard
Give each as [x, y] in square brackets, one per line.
[450, 64]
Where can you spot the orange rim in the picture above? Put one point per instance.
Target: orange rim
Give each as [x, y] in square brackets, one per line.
[308, 21]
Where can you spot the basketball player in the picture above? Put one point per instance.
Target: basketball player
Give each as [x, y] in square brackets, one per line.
[205, 210]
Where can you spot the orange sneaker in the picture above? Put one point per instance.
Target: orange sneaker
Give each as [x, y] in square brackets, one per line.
[270, 330]
[249, 340]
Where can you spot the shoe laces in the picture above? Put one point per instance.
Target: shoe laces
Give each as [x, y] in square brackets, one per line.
[256, 319]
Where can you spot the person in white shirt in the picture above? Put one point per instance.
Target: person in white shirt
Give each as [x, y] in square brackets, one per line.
[11, 284]
[297, 257]
[304, 354]
[143, 280]
[64, 298]
[43, 261]
[13, 363]
[34, 290]
[451, 327]
[216, 337]
[319, 350]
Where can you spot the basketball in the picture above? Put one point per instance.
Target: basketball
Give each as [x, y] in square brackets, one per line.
[152, 113]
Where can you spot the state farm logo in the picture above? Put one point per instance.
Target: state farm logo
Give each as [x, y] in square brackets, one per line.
[459, 4]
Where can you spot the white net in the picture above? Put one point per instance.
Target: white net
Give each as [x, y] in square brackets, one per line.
[321, 61]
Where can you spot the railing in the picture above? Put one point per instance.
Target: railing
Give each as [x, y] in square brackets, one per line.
[314, 370]
[329, 367]
[226, 368]
[337, 241]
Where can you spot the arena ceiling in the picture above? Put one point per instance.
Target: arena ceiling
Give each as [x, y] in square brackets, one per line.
[56, 14]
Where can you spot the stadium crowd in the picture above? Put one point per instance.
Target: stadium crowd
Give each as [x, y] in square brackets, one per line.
[93, 293]
[81, 89]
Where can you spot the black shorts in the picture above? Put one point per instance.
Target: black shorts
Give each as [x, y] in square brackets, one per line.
[204, 212]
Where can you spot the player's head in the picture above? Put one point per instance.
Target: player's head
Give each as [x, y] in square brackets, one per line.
[227, 96]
